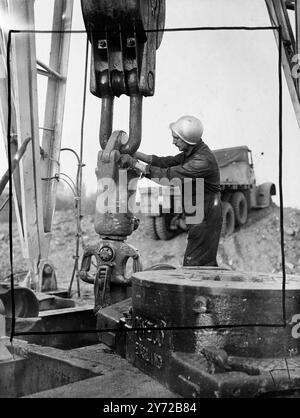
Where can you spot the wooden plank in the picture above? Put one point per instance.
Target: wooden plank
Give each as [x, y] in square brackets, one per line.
[4, 121]
[66, 311]
[29, 194]
[286, 62]
[55, 103]
[282, 13]
[297, 26]
[116, 377]
[24, 79]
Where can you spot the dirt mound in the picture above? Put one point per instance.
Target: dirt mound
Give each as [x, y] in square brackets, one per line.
[254, 247]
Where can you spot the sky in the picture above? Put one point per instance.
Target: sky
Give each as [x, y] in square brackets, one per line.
[228, 79]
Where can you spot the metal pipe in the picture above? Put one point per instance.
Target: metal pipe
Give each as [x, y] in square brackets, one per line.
[15, 162]
[106, 124]
[49, 70]
[135, 125]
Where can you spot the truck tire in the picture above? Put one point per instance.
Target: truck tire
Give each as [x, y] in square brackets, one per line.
[162, 227]
[228, 219]
[150, 229]
[240, 207]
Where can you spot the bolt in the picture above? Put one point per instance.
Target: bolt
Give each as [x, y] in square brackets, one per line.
[130, 42]
[102, 44]
[200, 304]
[47, 269]
[151, 81]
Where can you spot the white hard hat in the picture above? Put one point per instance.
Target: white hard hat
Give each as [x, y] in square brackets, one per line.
[188, 128]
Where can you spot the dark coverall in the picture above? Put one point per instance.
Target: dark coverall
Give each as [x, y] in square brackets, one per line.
[197, 162]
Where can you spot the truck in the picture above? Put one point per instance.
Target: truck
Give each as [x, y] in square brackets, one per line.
[239, 194]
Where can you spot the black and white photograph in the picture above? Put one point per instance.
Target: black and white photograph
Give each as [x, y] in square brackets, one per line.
[149, 202]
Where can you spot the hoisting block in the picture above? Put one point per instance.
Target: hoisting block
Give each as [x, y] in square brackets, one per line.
[243, 348]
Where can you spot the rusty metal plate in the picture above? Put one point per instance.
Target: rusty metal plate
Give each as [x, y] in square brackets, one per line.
[197, 297]
[257, 359]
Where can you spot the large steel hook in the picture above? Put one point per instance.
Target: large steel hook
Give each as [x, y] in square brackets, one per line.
[135, 123]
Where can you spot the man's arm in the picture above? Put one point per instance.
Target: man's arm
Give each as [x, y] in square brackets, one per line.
[163, 162]
[191, 169]
[197, 168]
[143, 157]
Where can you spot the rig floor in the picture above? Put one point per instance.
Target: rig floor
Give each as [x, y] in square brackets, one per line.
[88, 372]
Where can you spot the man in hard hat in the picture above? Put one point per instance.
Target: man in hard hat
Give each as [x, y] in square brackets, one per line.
[195, 160]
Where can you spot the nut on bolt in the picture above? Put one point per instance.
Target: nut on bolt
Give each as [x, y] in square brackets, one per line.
[106, 253]
[200, 304]
[102, 44]
[130, 42]
[151, 80]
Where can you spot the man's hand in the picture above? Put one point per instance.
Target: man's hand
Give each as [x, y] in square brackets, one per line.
[143, 157]
[127, 161]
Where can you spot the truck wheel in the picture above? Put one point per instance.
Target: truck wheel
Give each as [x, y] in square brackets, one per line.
[150, 227]
[240, 207]
[228, 219]
[162, 227]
